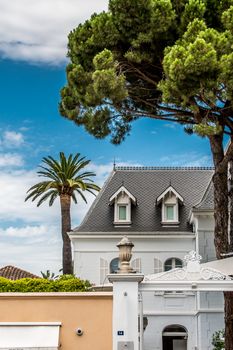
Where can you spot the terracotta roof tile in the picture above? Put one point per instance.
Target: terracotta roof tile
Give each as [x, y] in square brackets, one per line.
[15, 273]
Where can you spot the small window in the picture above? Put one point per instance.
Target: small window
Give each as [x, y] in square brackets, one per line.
[114, 265]
[170, 212]
[122, 212]
[172, 264]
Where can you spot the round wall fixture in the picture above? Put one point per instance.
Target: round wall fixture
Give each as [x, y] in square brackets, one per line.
[79, 331]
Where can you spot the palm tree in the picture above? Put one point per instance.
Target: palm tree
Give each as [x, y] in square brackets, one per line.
[65, 180]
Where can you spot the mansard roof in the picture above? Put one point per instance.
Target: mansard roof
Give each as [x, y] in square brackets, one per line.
[207, 201]
[146, 184]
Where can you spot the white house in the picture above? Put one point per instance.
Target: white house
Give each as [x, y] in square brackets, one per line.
[166, 212]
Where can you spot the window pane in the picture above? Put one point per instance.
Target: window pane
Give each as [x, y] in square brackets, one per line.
[178, 263]
[170, 212]
[172, 263]
[114, 265]
[168, 265]
[122, 212]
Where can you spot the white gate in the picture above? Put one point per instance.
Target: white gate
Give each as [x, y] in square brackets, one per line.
[191, 279]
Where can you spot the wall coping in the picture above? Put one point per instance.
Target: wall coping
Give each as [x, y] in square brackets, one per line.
[30, 324]
[125, 277]
[57, 295]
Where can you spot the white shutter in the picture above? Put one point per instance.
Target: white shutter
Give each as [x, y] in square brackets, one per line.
[136, 265]
[158, 266]
[103, 270]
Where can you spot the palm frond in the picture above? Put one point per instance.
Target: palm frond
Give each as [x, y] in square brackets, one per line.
[73, 196]
[65, 177]
[93, 187]
[52, 198]
[90, 191]
[46, 196]
[86, 175]
[48, 173]
[81, 195]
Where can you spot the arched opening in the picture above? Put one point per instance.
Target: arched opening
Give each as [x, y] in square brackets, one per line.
[114, 265]
[175, 338]
[172, 263]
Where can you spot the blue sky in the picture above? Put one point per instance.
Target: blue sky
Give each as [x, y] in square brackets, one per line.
[32, 70]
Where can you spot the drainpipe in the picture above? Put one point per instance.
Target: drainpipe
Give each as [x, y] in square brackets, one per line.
[141, 333]
[197, 294]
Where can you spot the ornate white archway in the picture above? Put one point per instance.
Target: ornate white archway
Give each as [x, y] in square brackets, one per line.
[192, 277]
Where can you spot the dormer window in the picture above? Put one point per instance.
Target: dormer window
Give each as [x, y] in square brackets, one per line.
[170, 200]
[122, 201]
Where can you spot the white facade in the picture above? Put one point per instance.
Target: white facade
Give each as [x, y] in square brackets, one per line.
[89, 252]
[201, 314]
[176, 321]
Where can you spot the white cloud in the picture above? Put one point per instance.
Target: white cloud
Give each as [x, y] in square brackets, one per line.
[191, 159]
[27, 231]
[11, 160]
[36, 31]
[170, 125]
[33, 257]
[103, 170]
[14, 186]
[12, 139]
[35, 243]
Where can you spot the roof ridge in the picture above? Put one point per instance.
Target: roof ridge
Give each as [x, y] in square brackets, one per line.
[117, 168]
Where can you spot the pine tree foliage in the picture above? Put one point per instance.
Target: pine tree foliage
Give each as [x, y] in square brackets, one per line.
[164, 59]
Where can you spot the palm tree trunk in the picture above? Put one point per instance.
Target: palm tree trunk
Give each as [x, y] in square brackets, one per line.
[221, 240]
[65, 202]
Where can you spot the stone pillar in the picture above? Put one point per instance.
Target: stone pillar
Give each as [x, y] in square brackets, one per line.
[125, 301]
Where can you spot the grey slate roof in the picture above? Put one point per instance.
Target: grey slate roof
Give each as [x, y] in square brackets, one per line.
[207, 202]
[146, 184]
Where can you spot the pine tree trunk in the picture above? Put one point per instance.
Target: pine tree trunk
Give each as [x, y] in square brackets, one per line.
[65, 202]
[230, 187]
[229, 296]
[228, 299]
[221, 214]
[220, 197]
